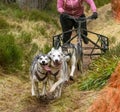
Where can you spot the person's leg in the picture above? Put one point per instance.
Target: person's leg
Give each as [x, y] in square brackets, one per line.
[67, 25]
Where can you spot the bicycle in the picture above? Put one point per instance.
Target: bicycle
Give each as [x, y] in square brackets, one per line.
[103, 47]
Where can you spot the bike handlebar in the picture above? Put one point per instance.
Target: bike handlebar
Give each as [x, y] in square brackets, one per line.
[82, 19]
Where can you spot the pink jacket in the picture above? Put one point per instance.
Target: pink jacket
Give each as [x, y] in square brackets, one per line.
[74, 7]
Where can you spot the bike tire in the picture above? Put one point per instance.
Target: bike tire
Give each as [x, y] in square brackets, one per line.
[104, 44]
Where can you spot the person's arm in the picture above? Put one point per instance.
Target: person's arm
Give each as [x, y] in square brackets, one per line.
[60, 5]
[92, 5]
[93, 8]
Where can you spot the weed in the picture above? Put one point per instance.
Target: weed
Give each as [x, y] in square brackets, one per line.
[100, 3]
[55, 23]
[37, 15]
[25, 38]
[3, 23]
[46, 48]
[33, 50]
[100, 70]
[42, 30]
[10, 53]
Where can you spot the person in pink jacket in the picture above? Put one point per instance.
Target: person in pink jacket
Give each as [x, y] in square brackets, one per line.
[74, 8]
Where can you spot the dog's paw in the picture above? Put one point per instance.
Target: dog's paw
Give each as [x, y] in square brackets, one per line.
[51, 90]
[33, 94]
[71, 78]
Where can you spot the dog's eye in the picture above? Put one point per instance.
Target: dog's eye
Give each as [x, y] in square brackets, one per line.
[40, 58]
[58, 55]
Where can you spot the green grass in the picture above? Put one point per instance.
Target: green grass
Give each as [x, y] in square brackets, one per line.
[100, 70]
[16, 43]
[3, 23]
[10, 52]
[47, 48]
[100, 3]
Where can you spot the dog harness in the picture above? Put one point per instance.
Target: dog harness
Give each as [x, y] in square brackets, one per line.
[38, 77]
[55, 74]
[46, 74]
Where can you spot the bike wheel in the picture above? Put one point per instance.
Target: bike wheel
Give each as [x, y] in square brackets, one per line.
[80, 58]
[104, 44]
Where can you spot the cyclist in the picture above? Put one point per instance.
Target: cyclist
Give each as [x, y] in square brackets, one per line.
[74, 8]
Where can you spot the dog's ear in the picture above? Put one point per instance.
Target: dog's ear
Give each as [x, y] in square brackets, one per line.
[49, 55]
[53, 49]
[60, 49]
[37, 56]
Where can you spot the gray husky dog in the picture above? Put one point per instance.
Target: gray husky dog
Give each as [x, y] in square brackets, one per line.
[39, 73]
[75, 58]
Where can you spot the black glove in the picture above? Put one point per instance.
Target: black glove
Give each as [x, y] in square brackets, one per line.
[94, 15]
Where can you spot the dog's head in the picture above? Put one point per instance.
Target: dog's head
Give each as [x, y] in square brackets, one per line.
[56, 56]
[43, 61]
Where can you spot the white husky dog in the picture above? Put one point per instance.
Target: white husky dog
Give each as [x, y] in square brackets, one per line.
[39, 73]
[58, 68]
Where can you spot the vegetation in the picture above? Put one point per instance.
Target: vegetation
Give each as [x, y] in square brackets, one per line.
[98, 76]
[100, 3]
[3, 23]
[10, 52]
[20, 49]
[25, 33]
[17, 44]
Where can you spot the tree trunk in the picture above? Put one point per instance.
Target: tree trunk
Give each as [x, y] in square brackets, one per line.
[32, 4]
[116, 9]
[9, 1]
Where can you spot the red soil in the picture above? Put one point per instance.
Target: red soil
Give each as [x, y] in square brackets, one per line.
[116, 9]
[109, 99]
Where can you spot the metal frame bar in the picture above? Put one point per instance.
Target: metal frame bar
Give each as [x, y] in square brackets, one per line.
[96, 46]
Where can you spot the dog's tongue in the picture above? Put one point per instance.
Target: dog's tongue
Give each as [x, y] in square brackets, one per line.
[47, 68]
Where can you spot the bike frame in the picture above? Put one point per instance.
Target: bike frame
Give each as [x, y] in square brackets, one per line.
[103, 40]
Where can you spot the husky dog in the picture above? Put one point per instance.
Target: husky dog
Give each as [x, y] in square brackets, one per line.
[75, 58]
[39, 73]
[58, 68]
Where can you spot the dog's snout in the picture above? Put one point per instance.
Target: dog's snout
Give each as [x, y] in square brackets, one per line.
[56, 61]
[43, 62]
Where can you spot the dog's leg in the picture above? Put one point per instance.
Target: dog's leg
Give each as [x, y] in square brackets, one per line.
[56, 92]
[56, 84]
[65, 71]
[51, 82]
[80, 65]
[44, 88]
[60, 90]
[35, 90]
[73, 62]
